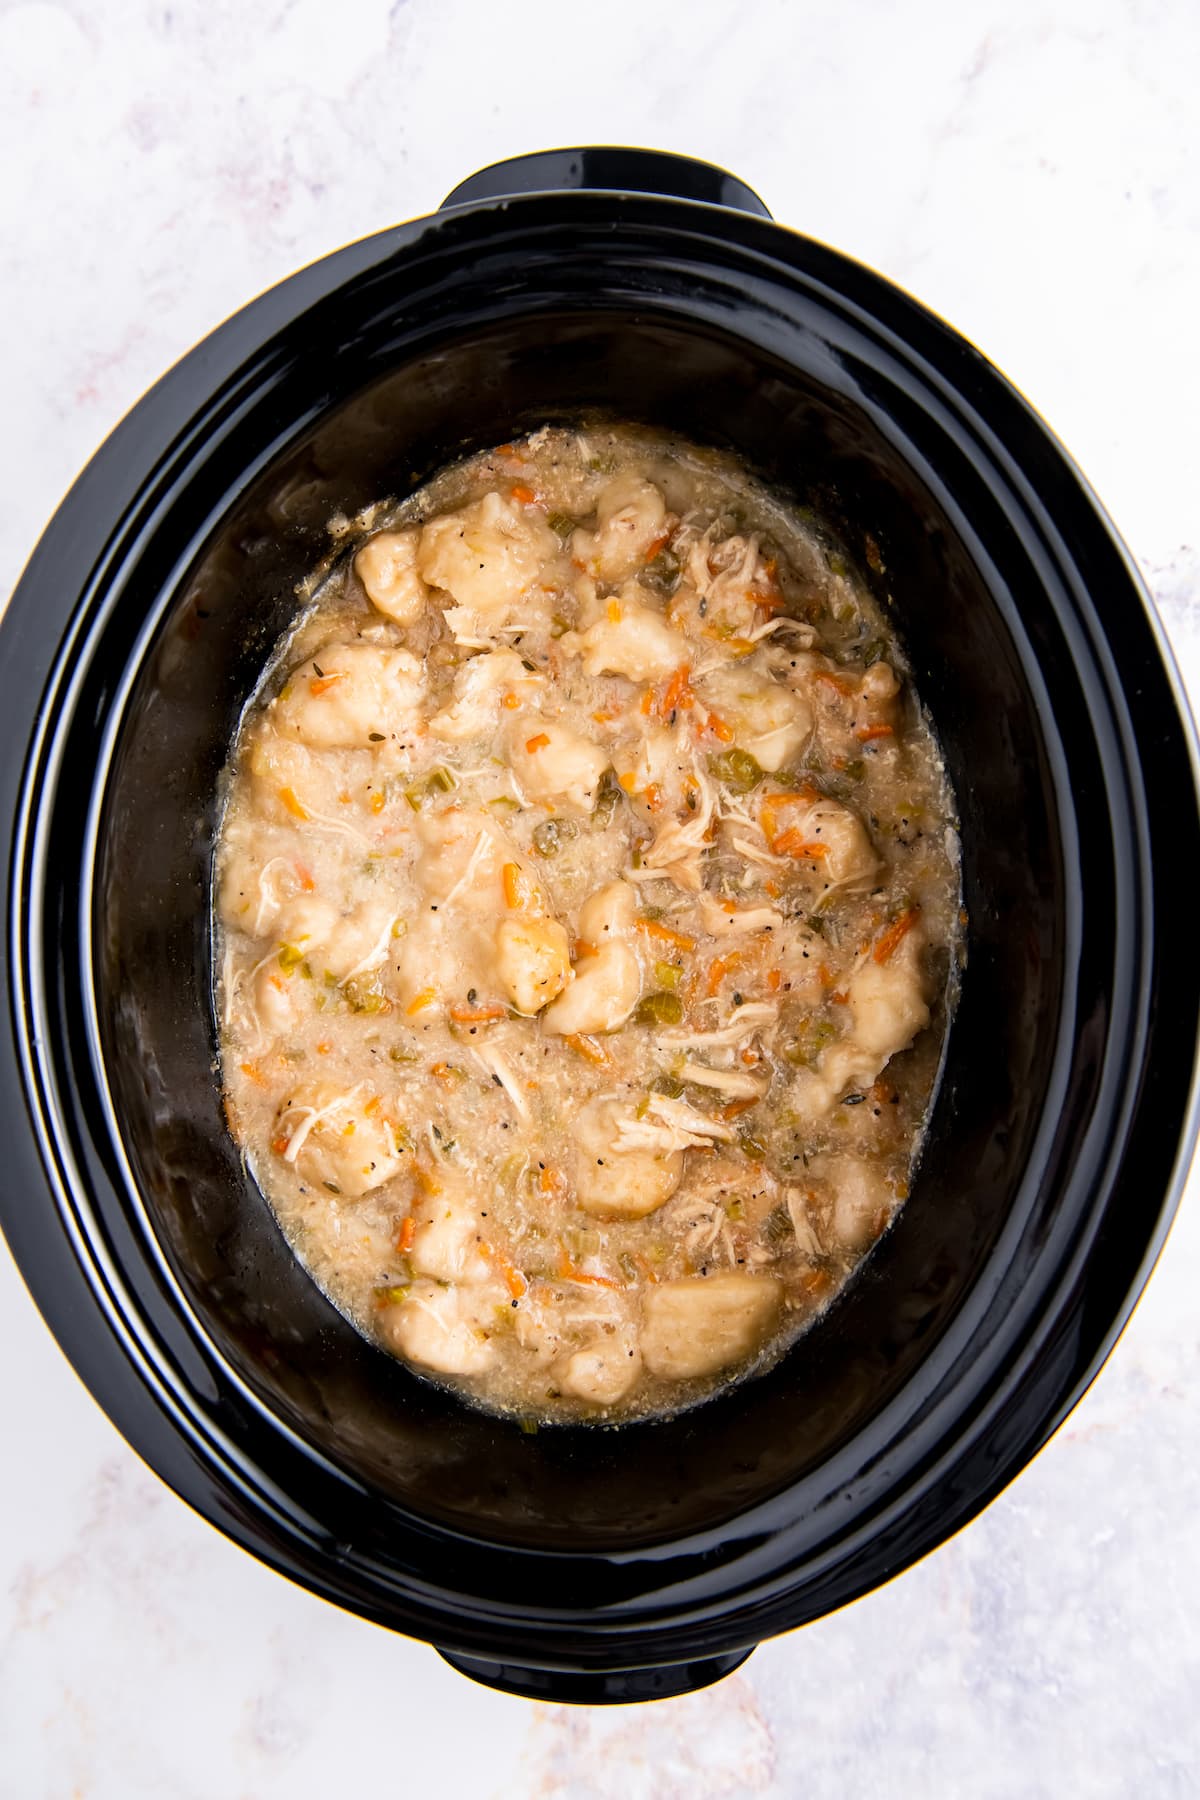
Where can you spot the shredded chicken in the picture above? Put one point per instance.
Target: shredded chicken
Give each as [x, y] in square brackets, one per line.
[737, 1082]
[376, 953]
[311, 1117]
[742, 1024]
[807, 1241]
[268, 898]
[672, 1125]
[703, 1224]
[482, 845]
[677, 849]
[783, 623]
[322, 822]
[736, 557]
[493, 1064]
[725, 922]
[756, 854]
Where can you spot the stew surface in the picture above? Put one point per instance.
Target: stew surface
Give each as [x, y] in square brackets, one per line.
[587, 912]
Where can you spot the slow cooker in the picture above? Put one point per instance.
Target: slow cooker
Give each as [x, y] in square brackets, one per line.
[587, 1563]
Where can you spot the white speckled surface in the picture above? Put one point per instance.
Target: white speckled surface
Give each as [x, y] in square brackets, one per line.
[1031, 171]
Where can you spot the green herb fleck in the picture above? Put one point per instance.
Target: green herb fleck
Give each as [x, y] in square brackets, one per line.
[737, 769]
[550, 836]
[391, 1296]
[662, 574]
[806, 1044]
[777, 1226]
[659, 1008]
[608, 799]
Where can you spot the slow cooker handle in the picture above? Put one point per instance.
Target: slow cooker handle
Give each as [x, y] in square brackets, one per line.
[601, 1687]
[613, 167]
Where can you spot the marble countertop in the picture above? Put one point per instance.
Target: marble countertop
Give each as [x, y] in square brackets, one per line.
[1030, 171]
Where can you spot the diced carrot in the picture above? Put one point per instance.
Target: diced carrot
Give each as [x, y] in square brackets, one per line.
[653, 796]
[406, 1234]
[537, 742]
[719, 968]
[675, 693]
[304, 877]
[833, 681]
[774, 978]
[772, 805]
[279, 1145]
[524, 494]
[475, 1015]
[513, 1278]
[653, 928]
[568, 1272]
[655, 545]
[511, 701]
[372, 1106]
[628, 782]
[719, 729]
[590, 1050]
[894, 936]
[518, 888]
[613, 612]
[647, 1268]
[794, 843]
[324, 1047]
[292, 804]
[646, 703]
[867, 734]
[323, 684]
[735, 1109]
[840, 997]
[602, 718]
[425, 998]
[771, 601]
[773, 888]
[253, 1073]
[378, 800]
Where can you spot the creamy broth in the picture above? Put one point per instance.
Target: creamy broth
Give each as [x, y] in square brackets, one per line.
[587, 909]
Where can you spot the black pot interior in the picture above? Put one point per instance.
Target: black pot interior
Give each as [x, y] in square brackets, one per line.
[400, 1437]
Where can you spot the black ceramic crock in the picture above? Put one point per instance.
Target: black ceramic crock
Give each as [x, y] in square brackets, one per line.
[580, 1563]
